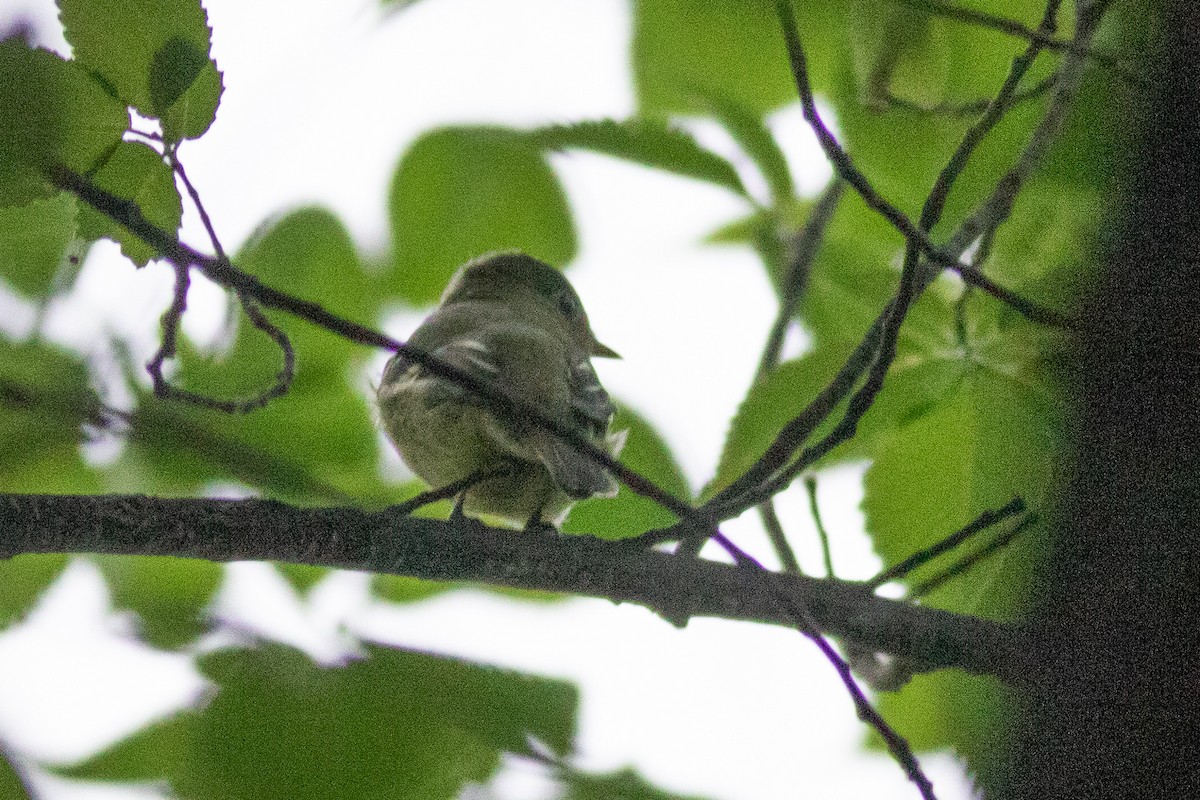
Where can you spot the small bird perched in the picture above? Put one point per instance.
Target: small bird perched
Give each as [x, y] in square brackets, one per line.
[514, 322]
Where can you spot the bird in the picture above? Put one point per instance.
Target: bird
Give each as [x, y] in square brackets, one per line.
[515, 323]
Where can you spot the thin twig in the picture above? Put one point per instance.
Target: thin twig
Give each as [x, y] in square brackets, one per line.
[844, 166]
[969, 561]
[810, 485]
[783, 551]
[972, 108]
[449, 490]
[804, 248]
[910, 281]
[918, 559]
[1014, 28]
[742, 494]
[995, 209]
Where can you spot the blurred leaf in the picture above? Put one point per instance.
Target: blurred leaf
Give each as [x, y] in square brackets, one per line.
[22, 580]
[685, 49]
[11, 786]
[44, 401]
[901, 150]
[318, 442]
[309, 253]
[897, 53]
[169, 595]
[302, 577]
[630, 514]
[51, 112]
[997, 434]
[37, 245]
[461, 192]
[751, 133]
[153, 53]
[645, 141]
[401, 589]
[397, 724]
[134, 172]
[625, 784]
[971, 712]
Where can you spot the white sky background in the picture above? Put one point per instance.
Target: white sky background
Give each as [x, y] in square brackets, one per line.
[320, 101]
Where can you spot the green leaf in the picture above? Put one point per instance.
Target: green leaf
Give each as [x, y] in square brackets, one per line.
[645, 141]
[38, 253]
[135, 172]
[996, 437]
[949, 707]
[23, 579]
[625, 784]
[397, 724]
[51, 112]
[630, 514]
[769, 405]
[318, 442]
[173, 69]
[45, 400]
[11, 786]
[302, 577]
[154, 54]
[901, 150]
[999, 433]
[898, 52]
[685, 49]
[309, 253]
[169, 595]
[402, 589]
[751, 133]
[461, 192]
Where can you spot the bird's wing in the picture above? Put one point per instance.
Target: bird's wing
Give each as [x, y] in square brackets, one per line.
[536, 368]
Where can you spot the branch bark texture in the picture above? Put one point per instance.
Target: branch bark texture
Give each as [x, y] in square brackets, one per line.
[677, 588]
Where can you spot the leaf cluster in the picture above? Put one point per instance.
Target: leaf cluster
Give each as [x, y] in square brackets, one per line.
[974, 409]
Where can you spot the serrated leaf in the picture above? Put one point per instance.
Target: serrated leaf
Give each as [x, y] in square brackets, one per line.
[134, 172]
[396, 724]
[51, 112]
[994, 439]
[38, 253]
[750, 132]
[645, 141]
[462, 192]
[168, 595]
[769, 405]
[629, 514]
[153, 53]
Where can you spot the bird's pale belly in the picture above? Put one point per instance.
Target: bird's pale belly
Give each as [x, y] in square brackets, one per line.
[444, 440]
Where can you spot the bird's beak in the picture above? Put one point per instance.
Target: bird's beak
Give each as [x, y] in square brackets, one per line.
[601, 350]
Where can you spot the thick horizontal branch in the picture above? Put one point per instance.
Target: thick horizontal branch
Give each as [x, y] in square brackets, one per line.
[678, 588]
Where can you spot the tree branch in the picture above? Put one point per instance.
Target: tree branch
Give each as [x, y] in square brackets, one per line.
[387, 542]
